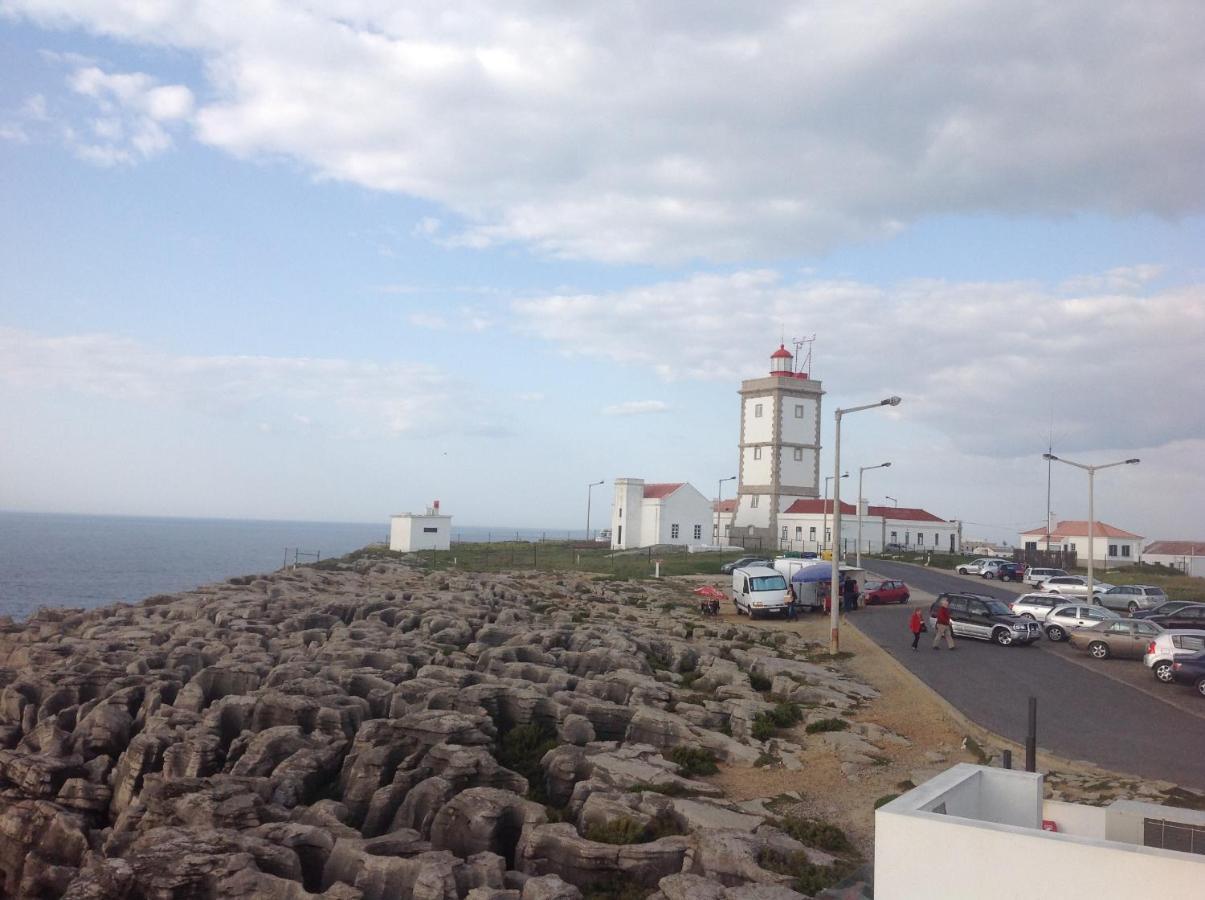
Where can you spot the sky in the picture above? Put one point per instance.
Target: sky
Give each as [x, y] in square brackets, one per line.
[334, 260]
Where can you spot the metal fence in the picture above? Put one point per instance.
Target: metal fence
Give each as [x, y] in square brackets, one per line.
[1173, 836]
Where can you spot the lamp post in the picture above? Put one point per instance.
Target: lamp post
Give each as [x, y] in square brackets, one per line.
[828, 479]
[719, 498]
[862, 469]
[894, 502]
[1091, 470]
[590, 490]
[834, 644]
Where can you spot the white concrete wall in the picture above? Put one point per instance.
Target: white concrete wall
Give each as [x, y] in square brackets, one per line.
[687, 508]
[756, 471]
[1189, 565]
[747, 515]
[758, 428]
[408, 533]
[798, 430]
[797, 473]
[626, 516]
[1075, 818]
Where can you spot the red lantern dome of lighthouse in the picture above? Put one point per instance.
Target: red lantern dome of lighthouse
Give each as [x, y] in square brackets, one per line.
[780, 362]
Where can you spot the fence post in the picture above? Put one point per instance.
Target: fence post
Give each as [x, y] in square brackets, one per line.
[1031, 737]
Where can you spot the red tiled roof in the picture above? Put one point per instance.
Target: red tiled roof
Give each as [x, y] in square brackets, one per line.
[903, 514]
[657, 491]
[1177, 548]
[1079, 528]
[723, 506]
[818, 507]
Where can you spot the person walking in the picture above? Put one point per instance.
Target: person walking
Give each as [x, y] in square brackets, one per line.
[916, 625]
[851, 594]
[792, 603]
[943, 626]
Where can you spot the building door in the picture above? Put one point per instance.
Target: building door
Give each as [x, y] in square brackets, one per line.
[951, 542]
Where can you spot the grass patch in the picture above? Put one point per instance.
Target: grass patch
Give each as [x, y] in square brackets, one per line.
[616, 888]
[668, 789]
[807, 877]
[822, 725]
[763, 727]
[693, 761]
[817, 834]
[689, 678]
[617, 831]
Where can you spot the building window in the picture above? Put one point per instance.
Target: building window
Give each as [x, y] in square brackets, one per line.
[727, 530]
[798, 532]
[920, 539]
[715, 531]
[673, 532]
[812, 533]
[757, 452]
[798, 410]
[895, 537]
[1125, 549]
[698, 532]
[753, 501]
[1112, 549]
[905, 539]
[621, 512]
[757, 410]
[798, 454]
[430, 531]
[828, 535]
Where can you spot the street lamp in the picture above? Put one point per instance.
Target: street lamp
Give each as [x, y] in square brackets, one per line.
[719, 497]
[590, 490]
[894, 502]
[834, 644]
[1091, 470]
[828, 479]
[862, 469]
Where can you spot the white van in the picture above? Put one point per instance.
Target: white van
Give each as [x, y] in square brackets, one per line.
[759, 590]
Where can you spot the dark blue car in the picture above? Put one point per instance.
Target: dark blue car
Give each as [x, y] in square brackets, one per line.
[1190, 670]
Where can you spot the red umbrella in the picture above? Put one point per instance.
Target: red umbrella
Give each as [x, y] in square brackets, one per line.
[711, 593]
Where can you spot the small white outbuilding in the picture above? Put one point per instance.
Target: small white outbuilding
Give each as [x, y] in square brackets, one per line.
[420, 531]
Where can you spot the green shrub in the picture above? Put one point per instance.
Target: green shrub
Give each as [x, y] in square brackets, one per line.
[759, 682]
[522, 748]
[808, 878]
[817, 834]
[822, 725]
[693, 761]
[885, 799]
[689, 678]
[784, 715]
[763, 727]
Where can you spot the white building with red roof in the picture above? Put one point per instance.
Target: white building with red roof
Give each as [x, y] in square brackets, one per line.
[1187, 556]
[1113, 546]
[807, 525]
[645, 514]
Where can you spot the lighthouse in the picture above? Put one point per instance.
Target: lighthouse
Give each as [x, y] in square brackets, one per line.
[779, 448]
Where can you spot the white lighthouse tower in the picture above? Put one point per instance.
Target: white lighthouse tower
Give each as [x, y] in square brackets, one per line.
[779, 446]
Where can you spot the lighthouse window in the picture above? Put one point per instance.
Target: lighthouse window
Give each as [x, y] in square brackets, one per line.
[753, 501]
[798, 410]
[757, 452]
[798, 454]
[757, 410]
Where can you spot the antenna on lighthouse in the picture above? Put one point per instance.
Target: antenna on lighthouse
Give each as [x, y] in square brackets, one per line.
[803, 361]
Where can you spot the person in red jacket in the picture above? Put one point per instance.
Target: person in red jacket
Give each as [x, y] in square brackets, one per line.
[943, 626]
[916, 625]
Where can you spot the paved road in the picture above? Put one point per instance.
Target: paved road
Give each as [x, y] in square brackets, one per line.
[1110, 712]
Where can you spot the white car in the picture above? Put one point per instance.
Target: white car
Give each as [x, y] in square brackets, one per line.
[979, 566]
[1166, 646]
[1063, 620]
[1037, 606]
[1036, 576]
[1073, 586]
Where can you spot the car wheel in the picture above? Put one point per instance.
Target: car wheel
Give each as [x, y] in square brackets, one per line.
[1002, 636]
[1201, 686]
[962, 571]
[1163, 671]
[1028, 616]
[1099, 650]
[1055, 633]
[1133, 607]
[988, 575]
[904, 600]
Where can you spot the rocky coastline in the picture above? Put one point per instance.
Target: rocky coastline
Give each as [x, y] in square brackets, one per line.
[371, 730]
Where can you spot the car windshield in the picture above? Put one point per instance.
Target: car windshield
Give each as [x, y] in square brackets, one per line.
[873, 585]
[769, 583]
[998, 608]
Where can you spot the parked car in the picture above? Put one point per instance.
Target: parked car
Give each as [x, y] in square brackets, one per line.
[1124, 638]
[1036, 576]
[1063, 621]
[729, 567]
[759, 590]
[986, 618]
[1131, 597]
[1036, 606]
[1164, 609]
[1167, 647]
[1190, 670]
[1191, 616]
[885, 592]
[976, 566]
[1073, 586]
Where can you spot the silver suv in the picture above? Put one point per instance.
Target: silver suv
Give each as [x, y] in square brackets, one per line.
[1131, 597]
[1036, 576]
[979, 566]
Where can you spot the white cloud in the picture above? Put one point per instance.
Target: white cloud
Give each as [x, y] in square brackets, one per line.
[636, 408]
[985, 363]
[673, 130]
[343, 397]
[427, 320]
[135, 114]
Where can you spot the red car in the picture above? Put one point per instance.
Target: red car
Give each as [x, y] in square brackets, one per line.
[884, 592]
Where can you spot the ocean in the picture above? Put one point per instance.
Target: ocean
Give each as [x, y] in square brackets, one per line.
[49, 559]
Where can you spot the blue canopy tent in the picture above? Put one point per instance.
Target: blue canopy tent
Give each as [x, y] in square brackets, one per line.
[813, 574]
